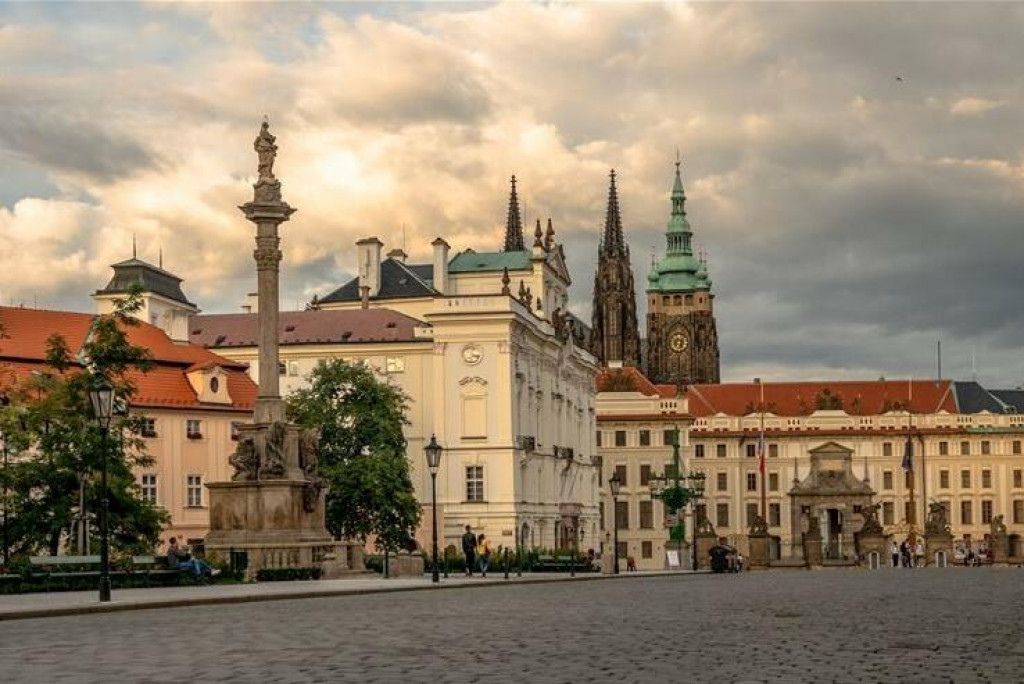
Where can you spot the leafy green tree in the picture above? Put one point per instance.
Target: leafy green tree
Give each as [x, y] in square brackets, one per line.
[59, 452]
[362, 452]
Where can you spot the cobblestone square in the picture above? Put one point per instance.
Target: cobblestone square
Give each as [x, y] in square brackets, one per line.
[798, 626]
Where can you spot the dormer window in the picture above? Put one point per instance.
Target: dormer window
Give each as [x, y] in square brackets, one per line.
[214, 384]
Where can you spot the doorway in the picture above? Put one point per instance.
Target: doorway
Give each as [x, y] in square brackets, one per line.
[833, 534]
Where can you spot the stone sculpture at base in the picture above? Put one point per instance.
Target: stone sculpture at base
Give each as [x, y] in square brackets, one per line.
[937, 535]
[274, 506]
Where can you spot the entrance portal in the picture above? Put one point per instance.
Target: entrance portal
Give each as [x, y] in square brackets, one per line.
[833, 537]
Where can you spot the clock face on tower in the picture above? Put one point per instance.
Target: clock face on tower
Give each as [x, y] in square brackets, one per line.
[679, 342]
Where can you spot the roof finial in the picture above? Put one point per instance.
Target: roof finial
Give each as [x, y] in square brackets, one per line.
[505, 280]
[135, 253]
[678, 158]
[160, 258]
[538, 235]
[549, 236]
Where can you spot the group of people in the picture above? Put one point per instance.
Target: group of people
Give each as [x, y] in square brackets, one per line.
[906, 554]
[477, 550]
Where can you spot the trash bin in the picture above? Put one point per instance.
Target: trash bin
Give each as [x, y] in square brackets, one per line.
[239, 561]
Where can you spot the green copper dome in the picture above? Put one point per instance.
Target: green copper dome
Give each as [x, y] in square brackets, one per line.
[679, 270]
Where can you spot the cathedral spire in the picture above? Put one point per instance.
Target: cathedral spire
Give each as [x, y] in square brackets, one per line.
[612, 241]
[679, 235]
[514, 223]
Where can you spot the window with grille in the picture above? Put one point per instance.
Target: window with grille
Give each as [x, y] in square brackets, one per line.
[774, 515]
[620, 438]
[645, 438]
[622, 514]
[722, 515]
[751, 450]
[149, 427]
[773, 482]
[986, 479]
[986, 447]
[965, 513]
[193, 429]
[986, 512]
[1016, 447]
[474, 483]
[751, 482]
[646, 515]
[620, 472]
[698, 451]
[943, 448]
[646, 549]
[887, 480]
[194, 491]
[720, 451]
[965, 448]
[722, 481]
[645, 474]
[943, 479]
[149, 488]
[965, 479]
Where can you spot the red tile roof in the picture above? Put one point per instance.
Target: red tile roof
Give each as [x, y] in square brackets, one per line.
[862, 398]
[640, 382]
[23, 349]
[305, 327]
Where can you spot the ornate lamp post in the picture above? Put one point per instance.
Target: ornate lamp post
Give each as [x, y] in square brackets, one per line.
[615, 484]
[676, 491]
[101, 396]
[434, 451]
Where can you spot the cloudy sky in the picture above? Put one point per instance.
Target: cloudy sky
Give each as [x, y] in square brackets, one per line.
[852, 219]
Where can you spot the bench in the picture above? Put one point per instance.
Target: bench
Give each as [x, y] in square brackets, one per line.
[58, 567]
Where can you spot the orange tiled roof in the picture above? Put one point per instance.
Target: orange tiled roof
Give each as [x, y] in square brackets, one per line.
[23, 349]
[862, 398]
[640, 381]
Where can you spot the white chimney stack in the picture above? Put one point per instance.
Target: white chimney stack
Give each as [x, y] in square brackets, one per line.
[368, 252]
[441, 265]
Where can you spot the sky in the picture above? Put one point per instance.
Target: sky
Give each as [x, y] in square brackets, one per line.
[854, 171]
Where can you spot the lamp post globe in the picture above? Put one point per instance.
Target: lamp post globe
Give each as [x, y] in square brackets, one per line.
[433, 450]
[615, 485]
[101, 397]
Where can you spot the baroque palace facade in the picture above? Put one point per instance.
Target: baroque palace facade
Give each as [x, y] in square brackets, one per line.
[493, 363]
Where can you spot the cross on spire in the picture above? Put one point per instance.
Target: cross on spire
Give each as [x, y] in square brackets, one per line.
[514, 223]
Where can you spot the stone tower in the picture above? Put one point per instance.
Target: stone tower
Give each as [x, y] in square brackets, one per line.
[682, 339]
[514, 224]
[615, 336]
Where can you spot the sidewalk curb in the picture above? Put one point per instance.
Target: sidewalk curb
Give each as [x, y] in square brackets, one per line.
[113, 607]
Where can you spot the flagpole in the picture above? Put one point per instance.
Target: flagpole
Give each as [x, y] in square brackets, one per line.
[761, 464]
[909, 458]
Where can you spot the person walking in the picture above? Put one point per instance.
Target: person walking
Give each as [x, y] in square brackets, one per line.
[483, 554]
[469, 550]
[894, 550]
[905, 554]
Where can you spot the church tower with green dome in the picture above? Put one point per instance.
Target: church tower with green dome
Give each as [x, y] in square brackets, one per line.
[682, 339]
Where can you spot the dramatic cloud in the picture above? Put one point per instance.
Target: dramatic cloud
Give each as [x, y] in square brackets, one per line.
[856, 172]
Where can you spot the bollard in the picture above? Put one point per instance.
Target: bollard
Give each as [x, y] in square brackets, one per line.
[572, 562]
[506, 562]
[386, 574]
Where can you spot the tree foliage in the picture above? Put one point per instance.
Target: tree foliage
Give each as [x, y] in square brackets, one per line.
[362, 452]
[56, 452]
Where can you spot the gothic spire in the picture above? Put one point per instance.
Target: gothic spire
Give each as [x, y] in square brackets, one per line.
[514, 223]
[612, 241]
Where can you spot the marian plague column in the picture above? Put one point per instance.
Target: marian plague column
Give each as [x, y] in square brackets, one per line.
[273, 508]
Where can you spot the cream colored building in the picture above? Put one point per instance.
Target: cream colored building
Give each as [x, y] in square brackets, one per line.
[483, 346]
[967, 444]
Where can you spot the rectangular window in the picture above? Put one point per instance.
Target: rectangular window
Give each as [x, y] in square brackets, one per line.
[943, 479]
[887, 480]
[149, 427]
[668, 438]
[751, 451]
[194, 491]
[1016, 447]
[887, 449]
[646, 549]
[622, 514]
[752, 513]
[751, 482]
[773, 482]
[773, 451]
[722, 515]
[645, 438]
[620, 438]
[887, 513]
[646, 515]
[943, 448]
[775, 515]
[965, 513]
[474, 483]
[965, 448]
[1018, 478]
[645, 474]
[720, 451]
[986, 512]
[597, 437]
[620, 472]
[193, 429]
[986, 479]
[1018, 512]
[149, 488]
[965, 479]
[698, 451]
[986, 447]
[722, 481]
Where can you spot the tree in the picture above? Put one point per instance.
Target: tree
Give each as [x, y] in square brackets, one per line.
[362, 452]
[49, 424]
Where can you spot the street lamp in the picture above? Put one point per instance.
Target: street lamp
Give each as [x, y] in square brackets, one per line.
[4, 401]
[101, 396]
[615, 484]
[676, 491]
[434, 451]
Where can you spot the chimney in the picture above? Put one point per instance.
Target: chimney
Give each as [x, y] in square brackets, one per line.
[441, 265]
[251, 303]
[368, 252]
[398, 254]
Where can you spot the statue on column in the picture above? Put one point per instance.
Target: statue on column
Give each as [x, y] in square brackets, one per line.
[268, 188]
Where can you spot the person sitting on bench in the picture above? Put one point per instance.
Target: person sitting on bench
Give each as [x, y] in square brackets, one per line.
[178, 559]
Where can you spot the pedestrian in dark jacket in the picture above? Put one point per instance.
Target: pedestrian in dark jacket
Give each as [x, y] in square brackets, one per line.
[469, 550]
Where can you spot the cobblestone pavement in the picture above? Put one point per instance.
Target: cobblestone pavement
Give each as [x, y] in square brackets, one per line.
[791, 626]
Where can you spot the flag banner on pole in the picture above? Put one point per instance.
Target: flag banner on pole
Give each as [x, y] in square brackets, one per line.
[760, 453]
[908, 456]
